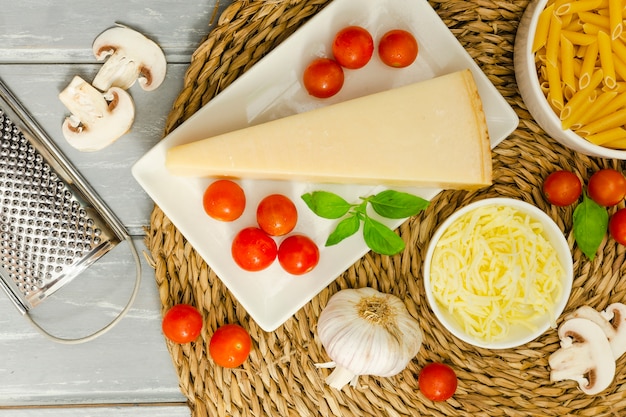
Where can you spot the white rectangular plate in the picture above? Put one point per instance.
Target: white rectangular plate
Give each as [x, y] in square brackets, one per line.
[272, 89]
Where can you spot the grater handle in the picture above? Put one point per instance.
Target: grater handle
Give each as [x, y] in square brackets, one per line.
[103, 330]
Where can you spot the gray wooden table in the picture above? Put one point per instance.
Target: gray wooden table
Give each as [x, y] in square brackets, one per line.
[127, 371]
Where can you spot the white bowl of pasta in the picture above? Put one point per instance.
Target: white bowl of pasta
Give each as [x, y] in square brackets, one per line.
[572, 76]
[498, 273]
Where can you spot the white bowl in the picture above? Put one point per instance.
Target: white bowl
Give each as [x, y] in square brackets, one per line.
[528, 84]
[518, 334]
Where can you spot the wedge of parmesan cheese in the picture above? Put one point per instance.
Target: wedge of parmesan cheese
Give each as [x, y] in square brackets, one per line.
[428, 134]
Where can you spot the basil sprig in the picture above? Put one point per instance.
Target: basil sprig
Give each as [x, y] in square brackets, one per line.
[591, 221]
[378, 237]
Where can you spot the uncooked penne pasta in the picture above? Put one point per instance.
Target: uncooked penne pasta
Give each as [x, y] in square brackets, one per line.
[577, 6]
[580, 100]
[595, 19]
[615, 18]
[567, 63]
[606, 136]
[606, 59]
[555, 94]
[610, 121]
[543, 25]
[612, 106]
[582, 107]
[579, 38]
[616, 144]
[580, 53]
[588, 65]
[553, 41]
[620, 67]
[594, 110]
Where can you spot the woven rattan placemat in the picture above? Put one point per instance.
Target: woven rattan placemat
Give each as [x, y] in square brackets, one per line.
[279, 378]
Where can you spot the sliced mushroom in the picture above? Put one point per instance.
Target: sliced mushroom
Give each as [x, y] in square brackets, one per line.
[584, 356]
[612, 321]
[97, 119]
[616, 314]
[131, 56]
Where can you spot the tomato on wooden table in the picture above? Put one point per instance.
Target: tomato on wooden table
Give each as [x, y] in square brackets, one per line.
[353, 47]
[398, 48]
[182, 323]
[617, 226]
[224, 200]
[298, 254]
[323, 78]
[562, 188]
[607, 187]
[437, 381]
[253, 249]
[276, 215]
[230, 345]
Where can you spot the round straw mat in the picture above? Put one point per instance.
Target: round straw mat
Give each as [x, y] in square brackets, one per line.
[279, 378]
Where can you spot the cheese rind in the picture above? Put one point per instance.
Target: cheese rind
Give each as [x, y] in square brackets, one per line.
[427, 134]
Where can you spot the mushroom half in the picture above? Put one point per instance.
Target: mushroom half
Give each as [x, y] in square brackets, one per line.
[612, 321]
[131, 57]
[97, 119]
[585, 356]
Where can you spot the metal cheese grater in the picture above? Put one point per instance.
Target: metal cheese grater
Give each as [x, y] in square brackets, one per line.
[52, 224]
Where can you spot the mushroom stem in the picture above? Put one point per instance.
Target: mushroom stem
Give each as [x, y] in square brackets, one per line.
[585, 356]
[97, 119]
[118, 71]
[130, 57]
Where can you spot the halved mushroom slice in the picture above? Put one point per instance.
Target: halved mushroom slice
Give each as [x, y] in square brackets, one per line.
[131, 56]
[612, 321]
[585, 356]
[97, 119]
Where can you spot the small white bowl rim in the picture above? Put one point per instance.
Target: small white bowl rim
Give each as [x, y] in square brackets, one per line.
[567, 135]
[554, 234]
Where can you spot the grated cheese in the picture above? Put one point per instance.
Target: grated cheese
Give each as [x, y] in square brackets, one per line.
[493, 269]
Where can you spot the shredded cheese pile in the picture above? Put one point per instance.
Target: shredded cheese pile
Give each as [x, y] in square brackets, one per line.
[493, 269]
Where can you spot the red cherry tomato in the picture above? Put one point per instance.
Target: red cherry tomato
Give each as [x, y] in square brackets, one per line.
[562, 188]
[298, 254]
[353, 47]
[617, 226]
[323, 78]
[182, 323]
[230, 345]
[437, 381]
[276, 215]
[607, 187]
[398, 48]
[224, 200]
[253, 249]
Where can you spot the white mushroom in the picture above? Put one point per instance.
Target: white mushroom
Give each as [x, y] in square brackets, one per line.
[584, 356]
[612, 321]
[131, 56]
[97, 119]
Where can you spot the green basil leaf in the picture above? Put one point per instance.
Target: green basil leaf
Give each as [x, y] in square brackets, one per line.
[380, 238]
[591, 221]
[326, 204]
[397, 205]
[346, 228]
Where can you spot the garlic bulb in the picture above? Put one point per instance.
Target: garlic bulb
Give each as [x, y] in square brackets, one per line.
[366, 332]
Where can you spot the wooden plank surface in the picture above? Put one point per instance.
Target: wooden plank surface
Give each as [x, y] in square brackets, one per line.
[43, 31]
[139, 410]
[43, 44]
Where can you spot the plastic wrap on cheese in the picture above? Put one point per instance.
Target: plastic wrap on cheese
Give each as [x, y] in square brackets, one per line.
[494, 269]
